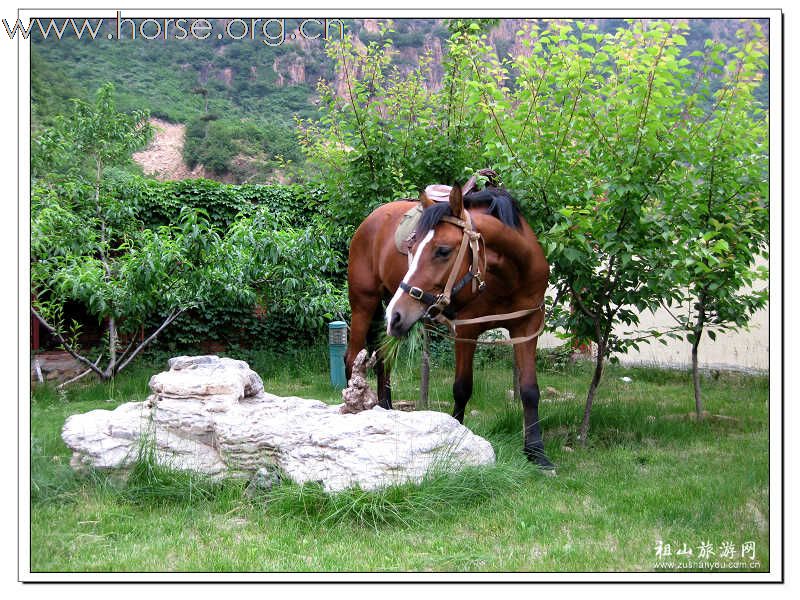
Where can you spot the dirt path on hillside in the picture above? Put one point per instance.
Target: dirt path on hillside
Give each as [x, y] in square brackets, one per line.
[163, 158]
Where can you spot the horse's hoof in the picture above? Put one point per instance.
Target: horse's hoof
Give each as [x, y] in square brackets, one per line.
[541, 460]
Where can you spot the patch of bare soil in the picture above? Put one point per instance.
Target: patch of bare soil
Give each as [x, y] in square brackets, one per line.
[54, 366]
[163, 158]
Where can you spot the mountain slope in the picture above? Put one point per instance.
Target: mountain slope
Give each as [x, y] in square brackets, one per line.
[239, 99]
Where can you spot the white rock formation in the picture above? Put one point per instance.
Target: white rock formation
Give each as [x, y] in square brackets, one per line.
[211, 415]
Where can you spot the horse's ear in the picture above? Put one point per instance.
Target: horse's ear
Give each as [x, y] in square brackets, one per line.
[424, 200]
[456, 200]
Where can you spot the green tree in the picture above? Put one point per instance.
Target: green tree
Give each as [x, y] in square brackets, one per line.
[719, 209]
[288, 268]
[93, 137]
[608, 139]
[597, 133]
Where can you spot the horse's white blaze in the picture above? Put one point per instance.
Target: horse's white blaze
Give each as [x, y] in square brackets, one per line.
[408, 276]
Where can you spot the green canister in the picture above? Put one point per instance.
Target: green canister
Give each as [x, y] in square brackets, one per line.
[337, 346]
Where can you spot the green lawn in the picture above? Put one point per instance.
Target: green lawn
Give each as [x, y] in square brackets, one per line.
[648, 473]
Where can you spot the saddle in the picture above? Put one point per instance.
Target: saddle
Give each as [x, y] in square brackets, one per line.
[407, 227]
[436, 193]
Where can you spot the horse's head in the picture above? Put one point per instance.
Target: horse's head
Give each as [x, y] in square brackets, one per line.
[439, 265]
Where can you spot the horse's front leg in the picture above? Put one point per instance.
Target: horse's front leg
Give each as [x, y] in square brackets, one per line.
[462, 385]
[525, 356]
[363, 309]
[383, 372]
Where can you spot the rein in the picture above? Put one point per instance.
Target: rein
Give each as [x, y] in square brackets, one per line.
[439, 308]
[452, 323]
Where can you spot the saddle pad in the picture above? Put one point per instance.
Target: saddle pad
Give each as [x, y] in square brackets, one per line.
[407, 226]
[438, 193]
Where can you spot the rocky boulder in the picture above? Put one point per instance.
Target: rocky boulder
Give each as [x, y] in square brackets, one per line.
[212, 415]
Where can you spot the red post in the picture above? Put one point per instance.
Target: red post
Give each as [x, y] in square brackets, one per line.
[34, 329]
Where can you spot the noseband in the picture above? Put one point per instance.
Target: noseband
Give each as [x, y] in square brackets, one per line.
[439, 304]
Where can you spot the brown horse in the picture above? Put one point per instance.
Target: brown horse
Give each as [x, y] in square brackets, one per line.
[473, 259]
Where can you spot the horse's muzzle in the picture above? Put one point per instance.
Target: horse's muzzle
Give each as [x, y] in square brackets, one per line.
[397, 325]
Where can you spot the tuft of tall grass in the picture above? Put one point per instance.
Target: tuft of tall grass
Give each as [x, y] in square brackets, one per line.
[52, 478]
[51, 483]
[507, 419]
[151, 482]
[440, 495]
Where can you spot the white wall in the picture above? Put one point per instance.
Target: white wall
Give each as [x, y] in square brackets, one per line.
[745, 350]
[742, 350]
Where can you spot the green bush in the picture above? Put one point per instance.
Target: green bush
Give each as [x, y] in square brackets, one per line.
[158, 202]
[279, 231]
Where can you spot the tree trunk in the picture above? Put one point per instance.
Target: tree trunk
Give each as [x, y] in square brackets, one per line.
[125, 360]
[425, 374]
[698, 334]
[112, 346]
[598, 373]
[517, 391]
[109, 371]
[698, 401]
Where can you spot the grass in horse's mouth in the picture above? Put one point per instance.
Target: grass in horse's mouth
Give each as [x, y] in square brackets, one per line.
[402, 351]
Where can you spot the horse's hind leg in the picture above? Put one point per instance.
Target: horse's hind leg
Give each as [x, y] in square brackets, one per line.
[525, 355]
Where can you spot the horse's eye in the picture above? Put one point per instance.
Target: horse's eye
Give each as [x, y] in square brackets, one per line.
[442, 252]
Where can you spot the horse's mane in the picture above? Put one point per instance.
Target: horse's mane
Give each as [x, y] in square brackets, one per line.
[502, 206]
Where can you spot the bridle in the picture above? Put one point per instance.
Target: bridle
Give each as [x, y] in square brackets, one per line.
[439, 306]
